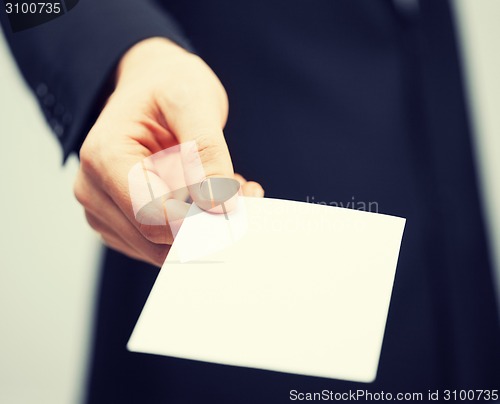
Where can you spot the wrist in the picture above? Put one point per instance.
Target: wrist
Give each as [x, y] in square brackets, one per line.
[147, 52]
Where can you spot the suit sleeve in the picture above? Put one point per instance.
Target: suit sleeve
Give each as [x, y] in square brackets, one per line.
[68, 62]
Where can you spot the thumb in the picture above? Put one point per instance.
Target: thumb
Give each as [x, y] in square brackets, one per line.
[207, 165]
[210, 191]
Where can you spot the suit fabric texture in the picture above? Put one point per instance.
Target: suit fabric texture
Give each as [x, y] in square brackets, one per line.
[344, 101]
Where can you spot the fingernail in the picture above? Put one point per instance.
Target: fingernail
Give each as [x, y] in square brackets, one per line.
[219, 189]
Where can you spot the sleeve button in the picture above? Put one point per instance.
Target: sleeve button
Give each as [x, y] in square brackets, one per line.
[41, 90]
[59, 130]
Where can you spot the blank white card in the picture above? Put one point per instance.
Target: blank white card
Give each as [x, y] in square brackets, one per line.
[299, 288]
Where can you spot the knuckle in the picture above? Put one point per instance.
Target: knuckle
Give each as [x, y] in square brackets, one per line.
[93, 222]
[209, 150]
[80, 192]
[88, 161]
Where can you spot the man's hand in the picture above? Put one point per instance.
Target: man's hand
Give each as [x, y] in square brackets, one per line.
[163, 96]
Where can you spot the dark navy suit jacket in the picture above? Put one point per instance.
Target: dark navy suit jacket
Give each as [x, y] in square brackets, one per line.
[335, 101]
